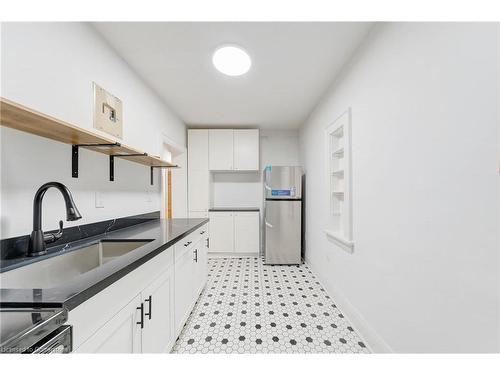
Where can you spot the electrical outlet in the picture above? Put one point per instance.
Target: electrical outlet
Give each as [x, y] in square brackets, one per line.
[99, 200]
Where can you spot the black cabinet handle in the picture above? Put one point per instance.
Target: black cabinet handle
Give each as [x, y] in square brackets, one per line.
[150, 301]
[196, 255]
[208, 241]
[187, 243]
[203, 232]
[141, 323]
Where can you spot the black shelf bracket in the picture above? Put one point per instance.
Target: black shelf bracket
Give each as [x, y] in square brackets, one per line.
[161, 167]
[112, 162]
[74, 154]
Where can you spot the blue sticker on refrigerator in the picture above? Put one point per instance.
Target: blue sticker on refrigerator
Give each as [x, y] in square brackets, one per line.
[280, 193]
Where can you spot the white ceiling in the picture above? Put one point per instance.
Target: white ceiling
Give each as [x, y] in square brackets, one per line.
[292, 66]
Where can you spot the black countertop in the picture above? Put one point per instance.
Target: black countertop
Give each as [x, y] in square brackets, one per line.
[230, 209]
[163, 233]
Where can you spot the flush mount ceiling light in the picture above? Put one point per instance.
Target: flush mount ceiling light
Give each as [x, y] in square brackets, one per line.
[231, 60]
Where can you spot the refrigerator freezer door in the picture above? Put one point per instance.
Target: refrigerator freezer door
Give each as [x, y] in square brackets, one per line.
[283, 232]
[283, 182]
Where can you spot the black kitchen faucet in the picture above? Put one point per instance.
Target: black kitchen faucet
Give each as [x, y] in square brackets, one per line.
[38, 239]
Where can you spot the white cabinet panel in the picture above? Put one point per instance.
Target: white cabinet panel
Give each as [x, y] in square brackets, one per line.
[198, 149]
[246, 149]
[246, 232]
[121, 334]
[158, 299]
[221, 232]
[198, 190]
[184, 285]
[201, 259]
[220, 145]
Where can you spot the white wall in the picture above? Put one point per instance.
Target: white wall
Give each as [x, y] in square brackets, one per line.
[424, 273]
[277, 147]
[50, 67]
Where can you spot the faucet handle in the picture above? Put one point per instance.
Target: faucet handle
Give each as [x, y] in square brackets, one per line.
[52, 237]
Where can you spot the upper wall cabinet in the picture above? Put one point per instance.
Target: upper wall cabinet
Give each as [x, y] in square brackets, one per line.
[220, 145]
[246, 149]
[198, 149]
[233, 149]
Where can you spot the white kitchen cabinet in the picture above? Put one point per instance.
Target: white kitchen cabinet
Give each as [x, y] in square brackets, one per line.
[190, 274]
[198, 174]
[201, 262]
[184, 285]
[234, 232]
[220, 149]
[198, 149]
[221, 232]
[246, 232]
[198, 190]
[121, 334]
[246, 149]
[158, 304]
[145, 325]
[165, 288]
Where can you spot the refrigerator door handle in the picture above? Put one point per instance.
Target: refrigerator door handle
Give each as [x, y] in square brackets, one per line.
[267, 224]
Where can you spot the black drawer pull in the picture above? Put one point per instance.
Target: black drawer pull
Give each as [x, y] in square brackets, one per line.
[188, 243]
[141, 323]
[150, 301]
[196, 255]
[203, 232]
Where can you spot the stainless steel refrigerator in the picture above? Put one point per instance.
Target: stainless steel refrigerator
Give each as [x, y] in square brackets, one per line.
[282, 214]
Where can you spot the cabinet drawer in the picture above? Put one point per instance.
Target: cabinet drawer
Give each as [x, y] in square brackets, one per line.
[185, 244]
[202, 231]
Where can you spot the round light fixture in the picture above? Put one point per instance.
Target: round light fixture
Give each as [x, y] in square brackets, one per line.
[231, 60]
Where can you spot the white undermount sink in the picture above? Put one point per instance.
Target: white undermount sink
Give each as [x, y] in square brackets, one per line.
[57, 270]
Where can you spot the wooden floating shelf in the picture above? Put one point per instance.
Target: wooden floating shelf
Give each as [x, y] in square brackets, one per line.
[19, 117]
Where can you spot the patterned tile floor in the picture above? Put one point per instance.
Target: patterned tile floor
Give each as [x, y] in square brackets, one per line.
[250, 307]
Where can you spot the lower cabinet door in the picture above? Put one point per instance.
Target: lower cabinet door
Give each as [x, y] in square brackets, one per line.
[221, 232]
[121, 334]
[184, 287]
[158, 300]
[246, 232]
[201, 258]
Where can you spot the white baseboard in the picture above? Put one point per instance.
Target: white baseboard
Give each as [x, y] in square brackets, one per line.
[370, 337]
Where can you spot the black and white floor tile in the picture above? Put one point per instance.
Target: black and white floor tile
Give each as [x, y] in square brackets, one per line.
[250, 307]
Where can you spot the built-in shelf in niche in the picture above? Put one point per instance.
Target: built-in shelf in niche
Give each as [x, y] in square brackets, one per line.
[339, 152]
[19, 117]
[338, 173]
[338, 149]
